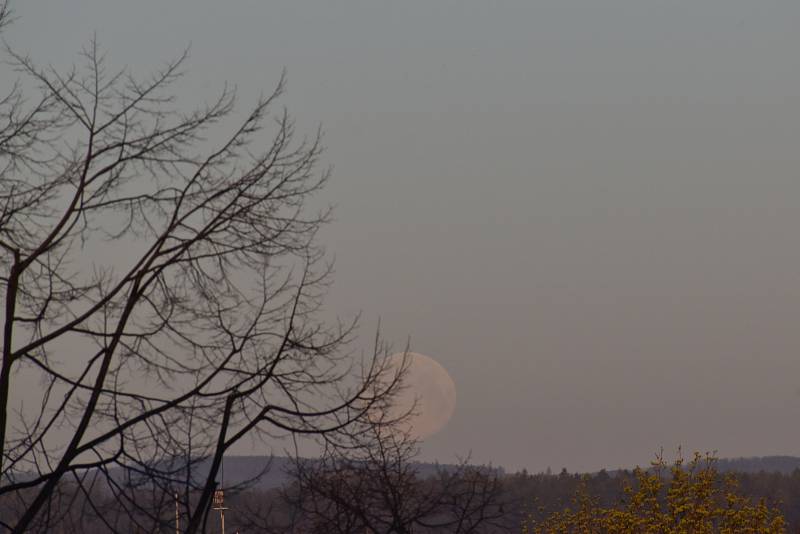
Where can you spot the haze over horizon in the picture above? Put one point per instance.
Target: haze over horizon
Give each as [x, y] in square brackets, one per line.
[586, 212]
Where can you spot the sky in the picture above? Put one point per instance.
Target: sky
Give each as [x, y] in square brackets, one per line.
[586, 211]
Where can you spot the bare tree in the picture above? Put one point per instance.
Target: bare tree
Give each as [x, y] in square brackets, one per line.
[161, 279]
[375, 486]
[5, 14]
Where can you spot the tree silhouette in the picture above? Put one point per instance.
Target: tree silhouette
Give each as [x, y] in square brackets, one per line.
[161, 280]
[374, 485]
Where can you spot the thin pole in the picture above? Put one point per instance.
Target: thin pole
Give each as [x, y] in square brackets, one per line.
[177, 515]
[219, 505]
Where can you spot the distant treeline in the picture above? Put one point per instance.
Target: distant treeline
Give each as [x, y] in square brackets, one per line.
[769, 464]
[541, 494]
[264, 508]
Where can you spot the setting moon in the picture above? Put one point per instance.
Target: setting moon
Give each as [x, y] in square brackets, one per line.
[428, 384]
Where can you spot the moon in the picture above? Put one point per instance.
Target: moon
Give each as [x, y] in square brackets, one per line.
[428, 384]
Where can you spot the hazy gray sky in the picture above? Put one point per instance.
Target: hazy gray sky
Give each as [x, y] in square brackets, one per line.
[588, 212]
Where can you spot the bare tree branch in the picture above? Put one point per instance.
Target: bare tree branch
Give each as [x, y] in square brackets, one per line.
[162, 279]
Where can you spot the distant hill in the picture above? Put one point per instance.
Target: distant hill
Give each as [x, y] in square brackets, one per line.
[245, 469]
[274, 471]
[785, 465]
[756, 464]
[269, 472]
[265, 472]
[238, 470]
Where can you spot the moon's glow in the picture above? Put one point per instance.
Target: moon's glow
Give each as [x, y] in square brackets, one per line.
[428, 384]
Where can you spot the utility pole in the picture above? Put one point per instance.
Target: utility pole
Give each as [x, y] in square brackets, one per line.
[177, 515]
[219, 505]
